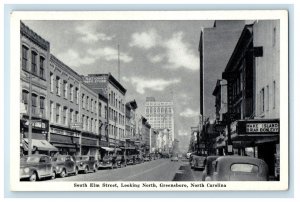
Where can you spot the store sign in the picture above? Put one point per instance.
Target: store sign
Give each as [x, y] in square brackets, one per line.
[262, 127]
[257, 127]
[95, 79]
[76, 125]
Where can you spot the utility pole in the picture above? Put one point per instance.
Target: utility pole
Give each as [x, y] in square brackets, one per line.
[30, 117]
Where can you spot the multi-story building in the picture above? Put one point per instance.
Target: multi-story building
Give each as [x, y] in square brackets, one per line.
[34, 75]
[64, 107]
[213, 41]
[252, 74]
[160, 115]
[89, 118]
[153, 140]
[145, 135]
[115, 92]
[103, 120]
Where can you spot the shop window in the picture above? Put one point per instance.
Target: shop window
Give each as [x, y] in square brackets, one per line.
[24, 57]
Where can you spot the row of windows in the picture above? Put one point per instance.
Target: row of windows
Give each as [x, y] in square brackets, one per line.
[37, 63]
[37, 103]
[113, 101]
[264, 98]
[114, 131]
[151, 110]
[88, 103]
[69, 91]
[115, 116]
[62, 115]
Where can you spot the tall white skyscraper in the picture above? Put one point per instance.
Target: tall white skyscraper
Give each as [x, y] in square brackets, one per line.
[160, 115]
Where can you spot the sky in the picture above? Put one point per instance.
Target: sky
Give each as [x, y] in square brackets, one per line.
[157, 58]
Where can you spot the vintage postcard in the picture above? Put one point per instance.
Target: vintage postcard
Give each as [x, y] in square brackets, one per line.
[149, 101]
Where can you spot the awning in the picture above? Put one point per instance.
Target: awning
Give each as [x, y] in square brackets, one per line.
[64, 145]
[42, 145]
[108, 148]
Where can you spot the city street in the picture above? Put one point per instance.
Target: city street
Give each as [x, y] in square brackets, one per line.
[156, 170]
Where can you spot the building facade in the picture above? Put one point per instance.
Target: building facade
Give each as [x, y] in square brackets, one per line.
[34, 75]
[108, 86]
[64, 107]
[160, 115]
[252, 74]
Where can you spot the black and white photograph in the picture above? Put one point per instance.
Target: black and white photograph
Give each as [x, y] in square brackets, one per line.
[150, 102]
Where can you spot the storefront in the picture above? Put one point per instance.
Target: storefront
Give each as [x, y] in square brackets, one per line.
[89, 144]
[66, 140]
[262, 135]
[40, 129]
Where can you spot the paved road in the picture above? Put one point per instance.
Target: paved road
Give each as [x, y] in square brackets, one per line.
[156, 170]
[185, 173]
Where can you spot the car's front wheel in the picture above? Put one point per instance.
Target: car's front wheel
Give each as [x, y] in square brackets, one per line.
[86, 169]
[33, 177]
[53, 175]
[76, 171]
[63, 173]
[95, 168]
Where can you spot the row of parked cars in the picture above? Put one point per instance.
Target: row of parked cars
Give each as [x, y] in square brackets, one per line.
[230, 168]
[40, 166]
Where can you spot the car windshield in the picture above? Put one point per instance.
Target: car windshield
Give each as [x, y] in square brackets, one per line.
[30, 159]
[58, 159]
[246, 168]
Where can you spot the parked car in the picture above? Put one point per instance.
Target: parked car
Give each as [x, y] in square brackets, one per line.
[198, 162]
[174, 158]
[121, 162]
[86, 163]
[147, 158]
[209, 169]
[130, 159]
[239, 168]
[35, 167]
[64, 165]
[106, 162]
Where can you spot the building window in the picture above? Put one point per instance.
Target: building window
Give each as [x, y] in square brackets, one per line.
[65, 116]
[262, 100]
[57, 113]
[25, 97]
[267, 98]
[42, 106]
[76, 95]
[33, 62]
[57, 85]
[92, 105]
[82, 101]
[51, 82]
[71, 116]
[51, 111]
[87, 123]
[71, 93]
[24, 57]
[87, 102]
[105, 112]
[65, 89]
[42, 67]
[76, 118]
[274, 94]
[34, 103]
